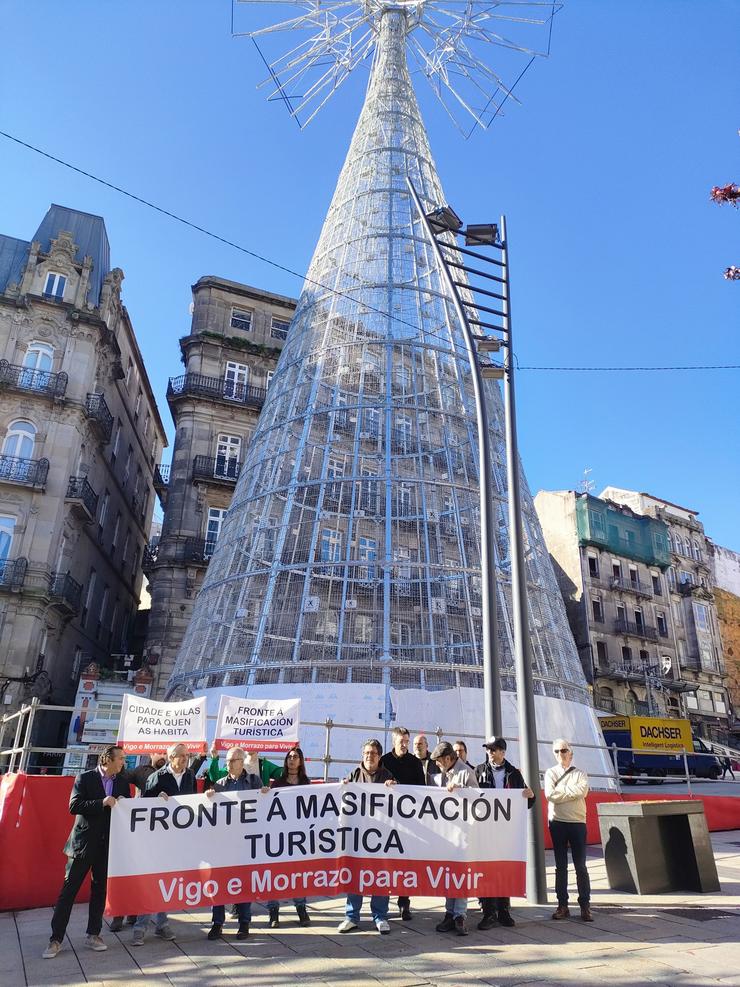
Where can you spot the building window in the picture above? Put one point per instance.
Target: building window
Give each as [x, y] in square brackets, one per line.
[368, 552]
[719, 703]
[129, 372]
[7, 527]
[213, 529]
[621, 613]
[705, 701]
[116, 443]
[102, 612]
[103, 510]
[598, 610]
[697, 552]
[597, 524]
[677, 614]
[662, 624]
[638, 618]
[331, 545]
[146, 423]
[20, 440]
[678, 544]
[137, 406]
[644, 657]
[400, 633]
[76, 663]
[235, 380]
[593, 567]
[88, 597]
[116, 528]
[657, 586]
[55, 285]
[601, 655]
[268, 378]
[626, 654]
[127, 467]
[279, 328]
[126, 545]
[616, 569]
[672, 577]
[701, 615]
[363, 629]
[37, 364]
[685, 578]
[370, 423]
[228, 449]
[241, 319]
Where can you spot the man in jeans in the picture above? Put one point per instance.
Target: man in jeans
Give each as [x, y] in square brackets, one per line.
[370, 771]
[407, 770]
[566, 788]
[174, 779]
[455, 773]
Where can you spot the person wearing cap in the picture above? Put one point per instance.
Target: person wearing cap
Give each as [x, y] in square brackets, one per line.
[497, 772]
[454, 773]
[566, 788]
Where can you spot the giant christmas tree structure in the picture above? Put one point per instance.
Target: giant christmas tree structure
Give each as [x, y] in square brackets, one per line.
[351, 551]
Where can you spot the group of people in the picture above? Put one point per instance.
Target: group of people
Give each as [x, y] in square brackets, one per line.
[95, 794]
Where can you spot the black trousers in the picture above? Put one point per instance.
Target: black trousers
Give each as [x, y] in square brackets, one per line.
[74, 875]
[491, 905]
[565, 834]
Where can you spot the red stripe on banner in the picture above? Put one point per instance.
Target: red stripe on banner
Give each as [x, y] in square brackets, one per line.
[259, 746]
[153, 746]
[206, 886]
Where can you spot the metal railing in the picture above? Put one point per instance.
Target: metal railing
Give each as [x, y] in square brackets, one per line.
[215, 389]
[645, 631]
[80, 490]
[216, 469]
[12, 573]
[35, 381]
[98, 412]
[628, 585]
[29, 472]
[65, 591]
[161, 475]
[21, 749]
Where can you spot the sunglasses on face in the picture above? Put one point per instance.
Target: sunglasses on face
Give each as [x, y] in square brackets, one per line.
[562, 750]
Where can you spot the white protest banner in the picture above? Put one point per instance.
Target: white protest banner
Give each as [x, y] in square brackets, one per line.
[192, 851]
[257, 724]
[147, 726]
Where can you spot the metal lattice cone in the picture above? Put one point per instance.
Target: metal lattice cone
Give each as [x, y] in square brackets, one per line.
[351, 551]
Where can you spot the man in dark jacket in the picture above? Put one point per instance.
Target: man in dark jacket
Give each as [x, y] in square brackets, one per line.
[369, 772]
[497, 772]
[175, 778]
[94, 794]
[407, 770]
[421, 750]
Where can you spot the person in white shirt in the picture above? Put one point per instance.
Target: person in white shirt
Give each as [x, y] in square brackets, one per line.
[454, 773]
[566, 788]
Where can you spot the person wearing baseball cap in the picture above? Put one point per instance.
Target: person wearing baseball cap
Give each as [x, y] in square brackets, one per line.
[497, 772]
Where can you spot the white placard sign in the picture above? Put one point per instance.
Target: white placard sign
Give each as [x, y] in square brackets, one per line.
[147, 725]
[257, 724]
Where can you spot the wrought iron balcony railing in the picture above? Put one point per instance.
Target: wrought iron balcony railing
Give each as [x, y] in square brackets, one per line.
[12, 573]
[29, 472]
[36, 381]
[217, 469]
[644, 631]
[149, 559]
[629, 585]
[80, 491]
[65, 592]
[161, 475]
[97, 411]
[215, 389]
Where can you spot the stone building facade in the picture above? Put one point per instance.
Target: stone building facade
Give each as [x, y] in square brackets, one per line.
[230, 355]
[693, 604]
[611, 565]
[726, 590]
[80, 436]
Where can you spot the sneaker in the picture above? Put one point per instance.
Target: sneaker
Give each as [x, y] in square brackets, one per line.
[51, 950]
[137, 939]
[460, 927]
[405, 913]
[116, 923]
[382, 926]
[347, 926]
[489, 921]
[586, 915]
[303, 916]
[96, 943]
[274, 918]
[505, 919]
[215, 931]
[447, 924]
[243, 930]
[165, 932]
[562, 911]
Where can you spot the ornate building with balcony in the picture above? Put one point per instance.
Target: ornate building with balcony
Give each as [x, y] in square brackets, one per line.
[230, 355]
[80, 437]
[611, 565]
[693, 606]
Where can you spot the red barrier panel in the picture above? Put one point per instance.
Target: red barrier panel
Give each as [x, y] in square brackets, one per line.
[35, 822]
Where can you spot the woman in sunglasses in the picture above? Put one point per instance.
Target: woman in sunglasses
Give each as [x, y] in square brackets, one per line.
[566, 788]
[294, 773]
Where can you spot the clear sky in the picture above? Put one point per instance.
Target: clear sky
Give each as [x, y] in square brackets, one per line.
[604, 174]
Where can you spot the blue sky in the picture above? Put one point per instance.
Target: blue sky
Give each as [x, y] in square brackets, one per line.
[604, 174]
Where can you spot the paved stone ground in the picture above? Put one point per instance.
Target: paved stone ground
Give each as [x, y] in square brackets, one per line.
[634, 941]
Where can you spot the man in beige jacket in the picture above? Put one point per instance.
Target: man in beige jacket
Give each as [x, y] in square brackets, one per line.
[566, 788]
